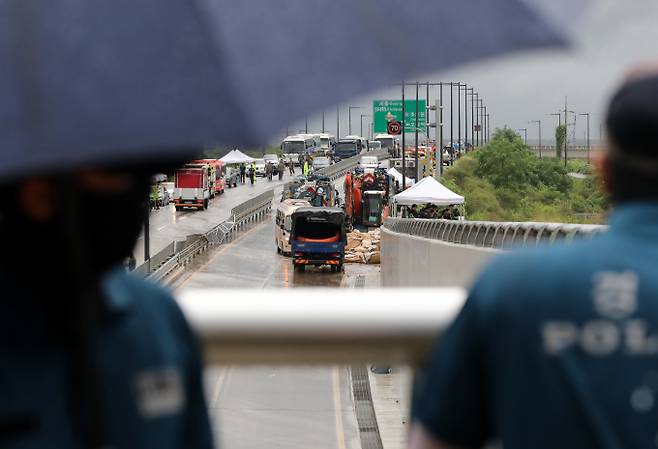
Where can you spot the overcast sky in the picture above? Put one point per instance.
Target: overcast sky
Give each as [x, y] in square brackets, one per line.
[614, 35]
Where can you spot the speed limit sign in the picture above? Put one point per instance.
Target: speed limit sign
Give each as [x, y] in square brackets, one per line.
[394, 128]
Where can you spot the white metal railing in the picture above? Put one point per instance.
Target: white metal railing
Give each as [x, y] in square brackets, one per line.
[317, 326]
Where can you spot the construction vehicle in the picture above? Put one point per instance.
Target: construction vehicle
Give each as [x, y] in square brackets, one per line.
[367, 196]
[192, 187]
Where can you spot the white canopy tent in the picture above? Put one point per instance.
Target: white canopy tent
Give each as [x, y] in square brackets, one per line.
[428, 191]
[398, 177]
[236, 157]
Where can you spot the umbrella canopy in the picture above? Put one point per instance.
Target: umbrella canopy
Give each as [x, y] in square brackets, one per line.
[88, 82]
[398, 176]
[237, 157]
[428, 191]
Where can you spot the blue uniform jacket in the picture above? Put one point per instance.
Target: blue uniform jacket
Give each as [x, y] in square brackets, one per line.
[555, 347]
[149, 365]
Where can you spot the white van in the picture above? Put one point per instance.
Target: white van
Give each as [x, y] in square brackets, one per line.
[284, 224]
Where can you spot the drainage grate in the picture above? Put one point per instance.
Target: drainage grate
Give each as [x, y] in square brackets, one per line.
[360, 281]
[365, 412]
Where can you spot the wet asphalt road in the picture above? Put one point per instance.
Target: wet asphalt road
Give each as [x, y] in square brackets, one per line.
[275, 407]
[167, 225]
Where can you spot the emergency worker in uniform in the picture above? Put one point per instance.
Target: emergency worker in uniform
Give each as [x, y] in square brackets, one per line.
[133, 379]
[558, 347]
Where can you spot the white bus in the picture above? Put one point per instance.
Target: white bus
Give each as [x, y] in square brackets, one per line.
[293, 146]
[327, 143]
[284, 224]
[389, 143]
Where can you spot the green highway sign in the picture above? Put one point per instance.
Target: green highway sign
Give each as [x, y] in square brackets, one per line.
[384, 111]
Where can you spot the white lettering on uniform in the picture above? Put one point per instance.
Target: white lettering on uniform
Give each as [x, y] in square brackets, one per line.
[559, 335]
[615, 294]
[638, 342]
[600, 337]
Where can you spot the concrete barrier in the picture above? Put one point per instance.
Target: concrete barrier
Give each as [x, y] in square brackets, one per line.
[409, 260]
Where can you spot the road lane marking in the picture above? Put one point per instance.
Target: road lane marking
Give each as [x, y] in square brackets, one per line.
[338, 409]
[222, 379]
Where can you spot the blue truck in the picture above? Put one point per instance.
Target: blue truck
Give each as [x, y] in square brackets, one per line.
[318, 237]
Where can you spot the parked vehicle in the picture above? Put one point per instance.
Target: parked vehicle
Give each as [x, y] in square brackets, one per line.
[213, 174]
[284, 223]
[327, 143]
[369, 162]
[363, 143]
[320, 162]
[231, 176]
[192, 188]
[274, 160]
[389, 143]
[346, 148]
[293, 146]
[318, 237]
[374, 145]
[260, 167]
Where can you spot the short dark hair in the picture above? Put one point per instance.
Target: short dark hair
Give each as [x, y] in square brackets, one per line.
[632, 124]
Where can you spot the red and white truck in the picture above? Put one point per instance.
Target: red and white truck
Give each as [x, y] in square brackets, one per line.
[192, 187]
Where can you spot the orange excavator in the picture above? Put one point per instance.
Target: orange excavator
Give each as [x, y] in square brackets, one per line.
[367, 196]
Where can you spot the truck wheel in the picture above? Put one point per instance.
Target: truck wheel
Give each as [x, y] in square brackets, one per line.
[178, 208]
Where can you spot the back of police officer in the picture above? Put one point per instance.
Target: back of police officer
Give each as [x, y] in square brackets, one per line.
[133, 378]
[558, 347]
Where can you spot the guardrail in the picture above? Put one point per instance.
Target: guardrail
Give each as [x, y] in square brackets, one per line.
[178, 254]
[490, 234]
[284, 327]
[338, 169]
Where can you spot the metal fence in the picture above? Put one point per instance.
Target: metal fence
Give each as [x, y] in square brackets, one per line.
[178, 254]
[489, 234]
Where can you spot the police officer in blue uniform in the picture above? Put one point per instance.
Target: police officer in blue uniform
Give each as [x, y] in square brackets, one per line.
[133, 379]
[558, 347]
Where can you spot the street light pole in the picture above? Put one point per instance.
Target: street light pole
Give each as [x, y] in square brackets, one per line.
[337, 122]
[363, 115]
[306, 124]
[416, 169]
[525, 131]
[488, 127]
[323, 121]
[485, 134]
[477, 120]
[452, 116]
[441, 129]
[349, 117]
[404, 159]
[587, 114]
[539, 123]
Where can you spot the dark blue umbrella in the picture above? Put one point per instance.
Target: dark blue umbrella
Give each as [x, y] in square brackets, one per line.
[95, 81]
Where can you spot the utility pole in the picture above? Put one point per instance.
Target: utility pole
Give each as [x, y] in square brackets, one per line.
[337, 122]
[488, 127]
[323, 121]
[587, 114]
[525, 131]
[485, 134]
[404, 158]
[466, 89]
[539, 123]
[427, 114]
[306, 124]
[416, 138]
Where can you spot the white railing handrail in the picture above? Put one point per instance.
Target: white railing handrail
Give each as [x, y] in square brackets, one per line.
[316, 326]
